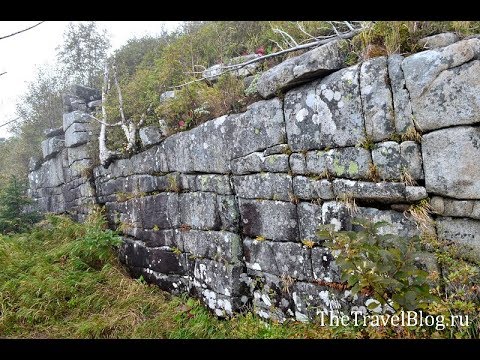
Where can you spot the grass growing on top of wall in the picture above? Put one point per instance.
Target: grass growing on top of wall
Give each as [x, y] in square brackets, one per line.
[62, 280]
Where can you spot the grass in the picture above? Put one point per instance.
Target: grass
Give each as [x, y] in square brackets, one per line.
[63, 280]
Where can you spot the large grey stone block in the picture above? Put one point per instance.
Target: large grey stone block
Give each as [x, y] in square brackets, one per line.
[463, 231]
[277, 258]
[275, 220]
[377, 99]
[326, 113]
[52, 146]
[450, 159]
[273, 186]
[444, 85]
[401, 99]
[314, 63]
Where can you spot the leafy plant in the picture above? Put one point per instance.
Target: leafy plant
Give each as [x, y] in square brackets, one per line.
[381, 266]
[14, 214]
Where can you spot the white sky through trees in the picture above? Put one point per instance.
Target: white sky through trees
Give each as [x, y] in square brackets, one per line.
[20, 54]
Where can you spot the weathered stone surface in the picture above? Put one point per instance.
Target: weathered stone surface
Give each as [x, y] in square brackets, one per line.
[451, 207]
[415, 193]
[167, 95]
[52, 146]
[438, 40]
[157, 211]
[77, 134]
[77, 153]
[94, 104]
[153, 160]
[324, 266]
[50, 174]
[402, 106]
[276, 163]
[157, 238]
[314, 63]
[309, 219]
[386, 157]
[312, 300]
[462, 231]
[150, 135]
[162, 260]
[349, 162]
[336, 214]
[257, 162]
[437, 204]
[174, 284]
[476, 210]
[326, 113]
[297, 163]
[271, 186]
[400, 224]
[444, 85]
[50, 133]
[226, 138]
[271, 297]
[382, 191]
[86, 93]
[214, 245]
[219, 184]
[34, 163]
[252, 163]
[199, 210]
[275, 220]
[277, 149]
[278, 258]
[411, 160]
[220, 304]
[70, 118]
[377, 99]
[450, 158]
[311, 189]
[222, 278]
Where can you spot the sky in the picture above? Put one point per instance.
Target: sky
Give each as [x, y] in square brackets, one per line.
[20, 54]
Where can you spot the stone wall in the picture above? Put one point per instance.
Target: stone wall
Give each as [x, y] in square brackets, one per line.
[223, 211]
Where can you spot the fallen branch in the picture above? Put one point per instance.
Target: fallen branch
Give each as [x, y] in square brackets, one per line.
[229, 68]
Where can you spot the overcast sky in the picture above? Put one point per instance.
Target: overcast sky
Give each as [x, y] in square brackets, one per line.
[20, 54]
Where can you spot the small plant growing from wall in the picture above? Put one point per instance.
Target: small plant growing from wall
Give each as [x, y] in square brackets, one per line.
[382, 266]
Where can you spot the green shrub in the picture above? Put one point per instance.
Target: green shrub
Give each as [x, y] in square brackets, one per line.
[14, 214]
[382, 266]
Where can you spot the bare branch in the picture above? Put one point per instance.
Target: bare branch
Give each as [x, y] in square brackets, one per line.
[348, 25]
[3, 73]
[103, 122]
[276, 43]
[286, 35]
[144, 115]
[302, 29]
[120, 98]
[21, 31]
[312, 44]
[334, 28]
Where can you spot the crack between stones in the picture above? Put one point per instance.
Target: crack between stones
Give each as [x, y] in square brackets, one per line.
[474, 125]
[389, 83]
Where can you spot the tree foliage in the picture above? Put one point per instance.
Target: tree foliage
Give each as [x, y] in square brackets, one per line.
[83, 52]
[14, 216]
